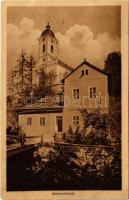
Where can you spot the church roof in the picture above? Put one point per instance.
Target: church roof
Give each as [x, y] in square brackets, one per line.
[65, 65]
[48, 31]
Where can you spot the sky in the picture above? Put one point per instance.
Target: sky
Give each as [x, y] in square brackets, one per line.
[89, 32]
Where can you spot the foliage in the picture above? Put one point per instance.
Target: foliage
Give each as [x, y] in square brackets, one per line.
[96, 127]
[14, 130]
[70, 130]
[11, 115]
[95, 118]
[25, 66]
[19, 86]
[76, 167]
[20, 80]
[77, 135]
[45, 83]
[15, 134]
[52, 164]
[115, 124]
[113, 68]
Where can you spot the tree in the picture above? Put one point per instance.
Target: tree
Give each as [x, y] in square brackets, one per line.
[113, 68]
[25, 66]
[96, 125]
[19, 86]
[45, 83]
[70, 130]
[20, 79]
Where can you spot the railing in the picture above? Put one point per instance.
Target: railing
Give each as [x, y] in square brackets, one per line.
[20, 141]
[114, 102]
[47, 101]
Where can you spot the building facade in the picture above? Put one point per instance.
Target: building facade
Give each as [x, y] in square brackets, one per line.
[86, 87]
[41, 122]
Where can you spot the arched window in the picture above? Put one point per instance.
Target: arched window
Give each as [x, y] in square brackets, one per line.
[44, 48]
[51, 48]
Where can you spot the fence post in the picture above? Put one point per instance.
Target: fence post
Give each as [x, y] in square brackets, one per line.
[42, 139]
[22, 140]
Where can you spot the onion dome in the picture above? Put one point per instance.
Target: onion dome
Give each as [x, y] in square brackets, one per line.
[48, 31]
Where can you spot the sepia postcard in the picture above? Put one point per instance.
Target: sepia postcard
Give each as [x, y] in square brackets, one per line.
[64, 100]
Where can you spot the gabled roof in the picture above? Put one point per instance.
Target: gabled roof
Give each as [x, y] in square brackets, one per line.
[65, 65]
[87, 64]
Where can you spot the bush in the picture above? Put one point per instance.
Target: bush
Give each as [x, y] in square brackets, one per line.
[96, 125]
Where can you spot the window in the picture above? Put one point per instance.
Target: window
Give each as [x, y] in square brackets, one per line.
[75, 93]
[42, 121]
[86, 71]
[44, 48]
[29, 120]
[59, 123]
[92, 92]
[51, 48]
[82, 73]
[76, 120]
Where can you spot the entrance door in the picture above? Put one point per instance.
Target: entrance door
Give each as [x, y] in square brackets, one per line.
[59, 123]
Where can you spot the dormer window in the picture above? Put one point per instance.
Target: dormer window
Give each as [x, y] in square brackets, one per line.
[44, 48]
[82, 73]
[86, 71]
[51, 48]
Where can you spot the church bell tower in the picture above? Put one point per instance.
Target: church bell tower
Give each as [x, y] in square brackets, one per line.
[48, 58]
[48, 45]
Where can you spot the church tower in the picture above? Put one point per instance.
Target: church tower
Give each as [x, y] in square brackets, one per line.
[48, 58]
[48, 47]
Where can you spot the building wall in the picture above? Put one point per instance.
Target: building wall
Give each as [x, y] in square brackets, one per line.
[48, 130]
[93, 79]
[68, 119]
[52, 66]
[83, 83]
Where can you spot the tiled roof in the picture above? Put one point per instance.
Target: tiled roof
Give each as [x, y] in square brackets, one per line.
[45, 104]
[65, 65]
